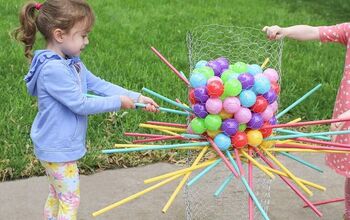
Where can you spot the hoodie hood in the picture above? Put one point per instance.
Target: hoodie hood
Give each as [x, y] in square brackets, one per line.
[41, 57]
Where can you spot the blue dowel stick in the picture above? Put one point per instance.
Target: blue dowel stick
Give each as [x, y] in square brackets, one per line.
[169, 110]
[298, 132]
[203, 172]
[282, 137]
[293, 157]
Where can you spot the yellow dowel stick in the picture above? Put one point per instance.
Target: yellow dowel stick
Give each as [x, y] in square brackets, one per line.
[294, 121]
[306, 150]
[182, 171]
[136, 195]
[162, 127]
[183, 181]
[257, 164]
[292, 176]
[265, 62]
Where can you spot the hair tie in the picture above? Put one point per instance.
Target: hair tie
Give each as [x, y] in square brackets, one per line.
[38, 6]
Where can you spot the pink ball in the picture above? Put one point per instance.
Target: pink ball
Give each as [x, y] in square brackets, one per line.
[243, 115]
[214, 78]
[268, 113]
[232, 105]
[271, 74]
[213, 105]
[274, 106]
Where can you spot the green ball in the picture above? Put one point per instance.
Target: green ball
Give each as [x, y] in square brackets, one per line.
[232, 88]
[239, 67]
[205, 70]
[228, 74]
[242, 127]
[213, 122]
[198, 125]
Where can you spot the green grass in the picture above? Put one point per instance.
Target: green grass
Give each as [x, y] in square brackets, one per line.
[119, 51]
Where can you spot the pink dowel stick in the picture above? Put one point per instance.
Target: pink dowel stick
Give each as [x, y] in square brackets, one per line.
[298, 124]
[170, 66]
[325, 202]
[218, 151]
[289, 184]
[250, 182]
[167, 124]
[158, 139]
[239, 162]
[328, 143]
[311, 147]
[144, 135]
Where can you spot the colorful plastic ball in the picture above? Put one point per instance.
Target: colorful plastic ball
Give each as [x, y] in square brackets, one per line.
[198, 80]
[205, 70]
[232, 104]
[247, 80]
[254, 137]
[201, 94]
[191, 97]
[243, 115]
[266, 132]
[274, 106]
[216, 67]
[198, 125]
[242, 127]
[225, 115]
[229, 74]
[230, 126]
[262, 85]
[267, 114]
[213, 122]
[273, 120]
[239, 140]
[215, 89]
[232, 87]
[215, 79]
[260, 104]
[223, 62]
[254, 69]
[256, 121]
[200, 110]
[222, 141]
[213, 134]
[213, 105]
[270, 96]
[271, 74]
[275, 87]
[247, 98]
[201, 63]
[239, 67]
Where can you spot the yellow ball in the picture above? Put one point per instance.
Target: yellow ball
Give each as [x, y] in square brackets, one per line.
[225, 115]
[267, 144]
[255, 138]
[213, 134]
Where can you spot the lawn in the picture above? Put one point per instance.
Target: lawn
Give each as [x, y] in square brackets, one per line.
[119, 52]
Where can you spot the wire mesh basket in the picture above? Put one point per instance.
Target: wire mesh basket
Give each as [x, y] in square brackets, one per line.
[247, 45]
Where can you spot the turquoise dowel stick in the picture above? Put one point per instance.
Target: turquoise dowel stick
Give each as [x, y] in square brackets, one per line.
[169, 110]
[202, 173]
[298, 101]
[293, 157]
[298, 132]
[282, 137]
[223, 185]
[159, 147]
[191, 136]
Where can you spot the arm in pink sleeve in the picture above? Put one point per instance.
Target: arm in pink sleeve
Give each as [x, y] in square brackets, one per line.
[339, 33]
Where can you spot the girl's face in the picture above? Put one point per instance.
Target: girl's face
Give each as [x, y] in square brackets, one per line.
[75, 40]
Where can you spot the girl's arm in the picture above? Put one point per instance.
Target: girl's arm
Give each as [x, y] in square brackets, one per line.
[297, 32]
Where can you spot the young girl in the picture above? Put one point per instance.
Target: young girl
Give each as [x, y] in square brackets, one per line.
[341, 34]
[60, 81]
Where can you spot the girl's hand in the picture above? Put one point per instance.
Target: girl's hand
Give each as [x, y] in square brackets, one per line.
[274, 32]
[151, 105]
[126, 102]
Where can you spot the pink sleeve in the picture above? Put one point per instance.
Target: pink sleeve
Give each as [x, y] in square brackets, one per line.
[337, 33]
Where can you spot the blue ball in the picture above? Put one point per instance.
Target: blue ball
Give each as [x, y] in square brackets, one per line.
[262, 85]
[222, 141]
[247, 98]
[254, 69]
[200, 63]
[198, 80]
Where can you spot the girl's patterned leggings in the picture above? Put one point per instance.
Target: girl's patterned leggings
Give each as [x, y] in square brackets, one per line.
[64, 192]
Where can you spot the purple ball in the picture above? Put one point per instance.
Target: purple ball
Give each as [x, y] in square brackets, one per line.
[247, 80]
[230, 126]
[273, 120]
[200, 110]
[216, 67]
[256, 122]
[224, 63]
[270, 96]
[201, 94]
